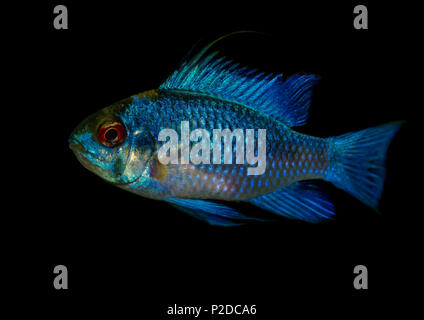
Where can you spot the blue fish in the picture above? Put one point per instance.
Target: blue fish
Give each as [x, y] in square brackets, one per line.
[122, 145]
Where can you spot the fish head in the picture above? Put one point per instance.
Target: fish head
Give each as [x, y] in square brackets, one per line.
[112, 144]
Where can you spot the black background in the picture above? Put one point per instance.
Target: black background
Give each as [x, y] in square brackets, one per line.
[127, 254]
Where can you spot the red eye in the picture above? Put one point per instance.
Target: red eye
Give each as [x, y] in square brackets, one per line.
[112, 134]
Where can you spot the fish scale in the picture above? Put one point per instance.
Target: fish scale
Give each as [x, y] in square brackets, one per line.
[284, 167]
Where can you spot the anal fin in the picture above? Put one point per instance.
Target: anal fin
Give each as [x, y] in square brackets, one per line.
[302, 200]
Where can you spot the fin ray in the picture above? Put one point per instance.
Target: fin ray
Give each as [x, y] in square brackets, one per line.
[302, 200]
[358, 162]
[287, 100]
[211, 212]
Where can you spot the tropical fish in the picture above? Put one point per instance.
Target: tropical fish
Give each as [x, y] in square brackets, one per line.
[121, 145]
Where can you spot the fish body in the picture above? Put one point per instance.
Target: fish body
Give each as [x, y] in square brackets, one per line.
[302, 157]
[121, 144]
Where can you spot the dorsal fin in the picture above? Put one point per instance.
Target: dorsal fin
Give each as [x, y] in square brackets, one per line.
[217, 76]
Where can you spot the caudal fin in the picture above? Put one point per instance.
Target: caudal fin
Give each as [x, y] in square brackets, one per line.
[357, 162]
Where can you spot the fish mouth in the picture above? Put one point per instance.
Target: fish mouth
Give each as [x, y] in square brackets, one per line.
[79, 151]
[75, 145]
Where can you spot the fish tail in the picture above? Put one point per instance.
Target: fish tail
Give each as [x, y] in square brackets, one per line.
[357, 161]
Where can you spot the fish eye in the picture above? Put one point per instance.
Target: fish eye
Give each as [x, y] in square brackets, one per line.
[111, 134]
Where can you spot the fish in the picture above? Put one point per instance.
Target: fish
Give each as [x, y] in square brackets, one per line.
[121, 144]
